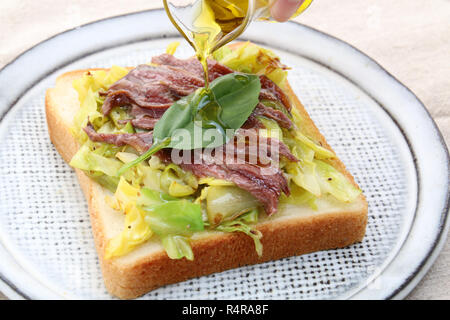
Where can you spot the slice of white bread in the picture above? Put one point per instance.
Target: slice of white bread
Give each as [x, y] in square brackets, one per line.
[291, 231]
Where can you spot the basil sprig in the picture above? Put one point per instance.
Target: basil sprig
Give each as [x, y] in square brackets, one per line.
[226, 105]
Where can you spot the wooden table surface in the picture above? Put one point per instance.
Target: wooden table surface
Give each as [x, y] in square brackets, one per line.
[409, 38]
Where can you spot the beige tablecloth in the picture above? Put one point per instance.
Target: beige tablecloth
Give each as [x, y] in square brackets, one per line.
[410, 38]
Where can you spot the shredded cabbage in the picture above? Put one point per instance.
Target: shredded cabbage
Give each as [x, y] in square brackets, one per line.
[177, 182]
[227, 203]
[172, 47]
[87, 88]
[172, 220]
[176, 217]
[319, 151]
[335, 183]
[150, 198]
[272, 129]
[303, 173]
[240, 225]
[88, 110]
[250, 217]
[118, 114]
[300, 196]
[105, 181]
[211, 181]
[87, 160]
[177, 247]
[310, 172]
[136, 230]
[147, 212]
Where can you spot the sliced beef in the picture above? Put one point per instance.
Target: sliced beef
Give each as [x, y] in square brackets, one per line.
[271, 146]
[192, 65]
[145, 123]
[138, 112]
[271, 113]
[151, 87]
[143, 118]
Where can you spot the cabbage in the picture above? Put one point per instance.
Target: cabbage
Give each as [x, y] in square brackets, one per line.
[240, 225]
[152, 178]
[272, 129]
[170, 179]
[180, 217]
[319, 151]
[215, 182]
[177, 247]
[126, 157]
[303, 175]
[220, 54]
[250, 217]
[177, 182]
[227, 203]
[300, 196]
[105, 181]
[97, 163]
[172, 47]
[113, 75]
[172, 220]
[98, 80]
[141, 174]
[310, 172]
[150, 197]
[87, 88]
[147, 212]
[335, 183]
[88, 112]
[87, 160]
[125, 194]
[136, 230]
[155, 163]
[118, 114]
[250, 58]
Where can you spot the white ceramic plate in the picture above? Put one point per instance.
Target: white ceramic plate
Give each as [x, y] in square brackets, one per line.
[377, 126]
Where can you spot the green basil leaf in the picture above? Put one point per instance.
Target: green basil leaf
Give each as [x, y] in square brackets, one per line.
[238, 95]
[235, 96]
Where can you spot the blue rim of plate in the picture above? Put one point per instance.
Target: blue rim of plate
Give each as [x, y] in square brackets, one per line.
[444, 224]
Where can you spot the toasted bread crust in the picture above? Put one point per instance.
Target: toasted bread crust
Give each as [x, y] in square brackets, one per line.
[218, 252]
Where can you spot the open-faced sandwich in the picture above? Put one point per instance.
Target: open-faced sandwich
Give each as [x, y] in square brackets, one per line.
[272, 189]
